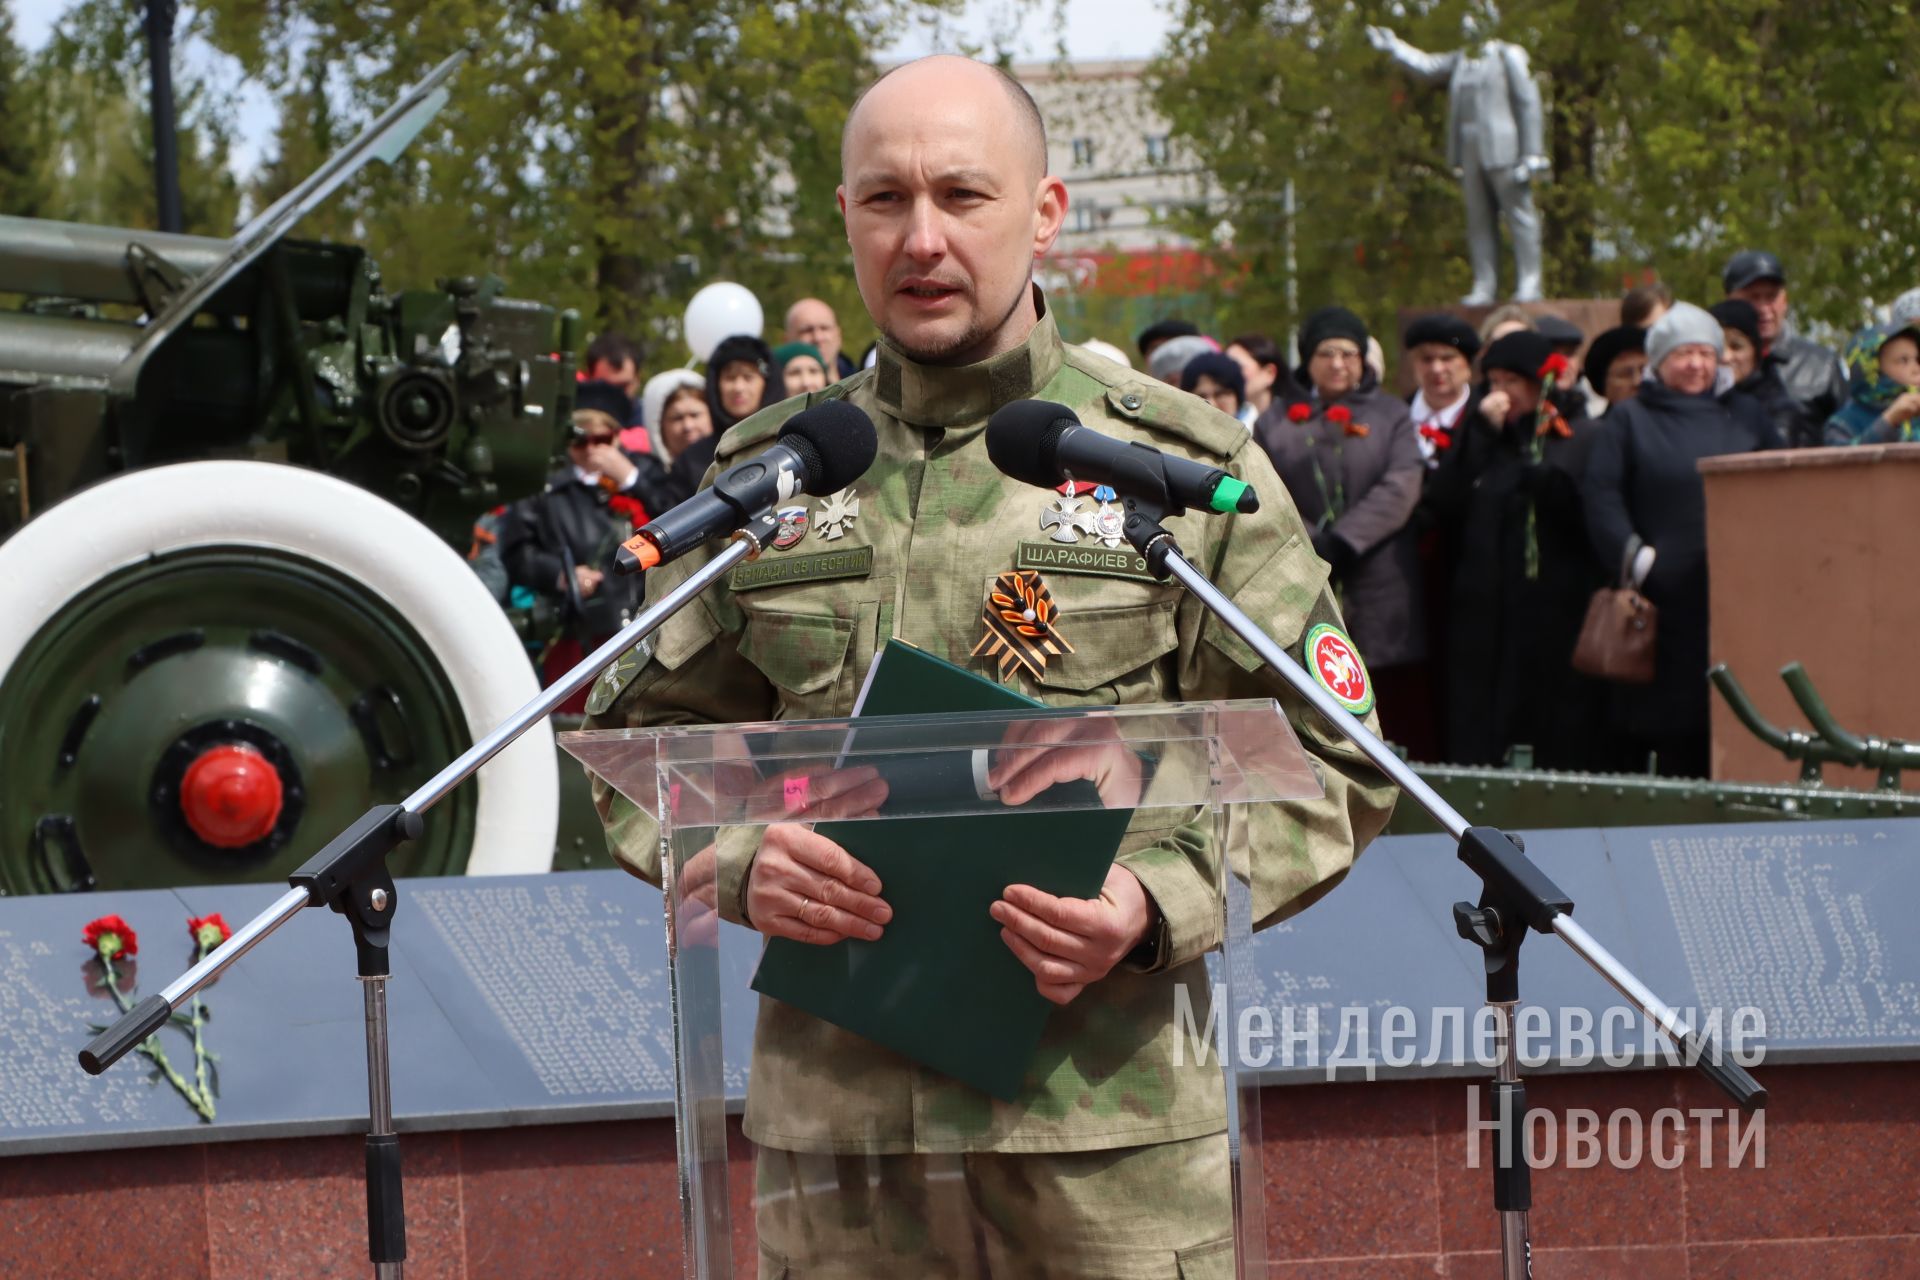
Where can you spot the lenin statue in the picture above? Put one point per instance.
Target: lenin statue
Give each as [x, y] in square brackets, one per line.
[1494, 143]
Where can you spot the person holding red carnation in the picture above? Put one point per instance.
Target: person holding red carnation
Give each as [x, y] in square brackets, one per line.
[1348, 454]
[560, 544]
[1508, 495]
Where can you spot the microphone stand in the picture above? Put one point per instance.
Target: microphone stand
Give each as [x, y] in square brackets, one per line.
[1515, 896]
[350, 875]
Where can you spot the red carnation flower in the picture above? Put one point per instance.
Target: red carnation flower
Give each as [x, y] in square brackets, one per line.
[621, 504]
[1555, 367]
[1299, 412]
[1439, 437]
[1339, 415]
[208, 931]
[111, 936]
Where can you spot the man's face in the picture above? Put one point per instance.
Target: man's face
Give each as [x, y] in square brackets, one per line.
[622, 375]
[944, 214]
[1442, 372]
[813, 321]
[1769, 298]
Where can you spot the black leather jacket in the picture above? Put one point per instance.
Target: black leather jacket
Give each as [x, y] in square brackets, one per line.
[572, 523]
[1815, 385]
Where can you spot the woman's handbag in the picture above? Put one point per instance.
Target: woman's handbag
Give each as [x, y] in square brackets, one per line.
[1616, 640]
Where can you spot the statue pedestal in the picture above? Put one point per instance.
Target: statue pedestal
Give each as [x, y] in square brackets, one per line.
[1593, 315]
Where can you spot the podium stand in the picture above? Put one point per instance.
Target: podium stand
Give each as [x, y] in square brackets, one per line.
[709, 792]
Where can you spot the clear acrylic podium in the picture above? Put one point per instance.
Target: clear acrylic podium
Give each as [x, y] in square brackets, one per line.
[860, 1150]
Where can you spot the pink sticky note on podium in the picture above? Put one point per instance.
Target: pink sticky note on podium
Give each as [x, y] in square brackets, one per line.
[796, 793]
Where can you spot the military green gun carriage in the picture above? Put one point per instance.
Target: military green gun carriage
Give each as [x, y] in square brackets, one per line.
[211, 660]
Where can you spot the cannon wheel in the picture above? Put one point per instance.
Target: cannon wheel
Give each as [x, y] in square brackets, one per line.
[208, 669]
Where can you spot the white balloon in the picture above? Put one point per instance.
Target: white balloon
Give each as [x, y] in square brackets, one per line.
[718, 312]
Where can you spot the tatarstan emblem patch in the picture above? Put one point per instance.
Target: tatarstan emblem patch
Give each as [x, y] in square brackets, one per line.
[1337, 668]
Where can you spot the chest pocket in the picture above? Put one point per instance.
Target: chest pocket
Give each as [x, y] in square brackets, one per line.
[1119, 631]
[814, 645]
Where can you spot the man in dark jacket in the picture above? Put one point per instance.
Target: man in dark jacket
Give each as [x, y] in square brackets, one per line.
[1816, 385]
[560, 543]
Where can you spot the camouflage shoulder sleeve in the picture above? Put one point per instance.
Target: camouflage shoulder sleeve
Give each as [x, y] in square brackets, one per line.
[690, 671]
[1291, 853]
[1163, 410]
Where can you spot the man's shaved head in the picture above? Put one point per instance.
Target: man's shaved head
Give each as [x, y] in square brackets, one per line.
[944, 71]
[948, 203]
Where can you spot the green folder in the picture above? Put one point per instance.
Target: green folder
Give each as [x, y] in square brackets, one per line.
[940, 986]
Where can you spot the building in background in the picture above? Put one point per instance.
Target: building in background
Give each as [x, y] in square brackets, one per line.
[1120, 263]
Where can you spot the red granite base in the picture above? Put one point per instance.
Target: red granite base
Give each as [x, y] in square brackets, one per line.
[1363, 1181]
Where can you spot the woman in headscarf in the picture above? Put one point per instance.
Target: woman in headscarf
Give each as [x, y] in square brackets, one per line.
[1883, 372]
[1347, 452]
[1647, 518]
[1508, 488]
[798, 368]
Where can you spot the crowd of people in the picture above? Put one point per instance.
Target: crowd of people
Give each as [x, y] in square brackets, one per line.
[1465, 527]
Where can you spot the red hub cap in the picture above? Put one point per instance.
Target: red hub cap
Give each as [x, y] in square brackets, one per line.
[231, 796]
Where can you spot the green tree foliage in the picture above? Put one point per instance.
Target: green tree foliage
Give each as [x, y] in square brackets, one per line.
[84, 126]
[1680, 130]
[23, 176]
[612, 155]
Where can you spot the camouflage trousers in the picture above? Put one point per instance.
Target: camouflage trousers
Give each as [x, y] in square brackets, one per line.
[1160, 1212]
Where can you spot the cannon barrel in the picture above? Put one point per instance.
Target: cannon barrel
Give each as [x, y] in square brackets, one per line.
[46, 259]
[55, 349]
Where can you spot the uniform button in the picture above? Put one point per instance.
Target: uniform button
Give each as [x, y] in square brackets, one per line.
[1131, 400]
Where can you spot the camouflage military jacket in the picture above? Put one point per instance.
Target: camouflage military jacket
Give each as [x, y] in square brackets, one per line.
[791, 635]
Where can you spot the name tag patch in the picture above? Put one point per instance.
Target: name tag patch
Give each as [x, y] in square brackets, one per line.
[853, 562]
[1093, 560]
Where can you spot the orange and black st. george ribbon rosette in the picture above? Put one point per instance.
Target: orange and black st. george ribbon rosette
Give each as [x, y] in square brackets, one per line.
[1021, 620]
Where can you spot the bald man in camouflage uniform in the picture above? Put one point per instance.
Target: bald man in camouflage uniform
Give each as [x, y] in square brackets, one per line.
[1112, 1162]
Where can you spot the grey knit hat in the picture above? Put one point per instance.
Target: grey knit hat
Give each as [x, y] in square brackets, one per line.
[1682, 326]
[1172, 356]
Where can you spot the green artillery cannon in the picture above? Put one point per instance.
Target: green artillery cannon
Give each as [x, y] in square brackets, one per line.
[210, 660]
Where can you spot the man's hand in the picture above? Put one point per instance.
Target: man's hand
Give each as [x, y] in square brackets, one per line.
[806, 887]
[611, 461]
[1035, 754]
[1382, 38]
[587, 578]
[1070, 943]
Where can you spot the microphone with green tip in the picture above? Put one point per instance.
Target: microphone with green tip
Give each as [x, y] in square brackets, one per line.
[1041, 443]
